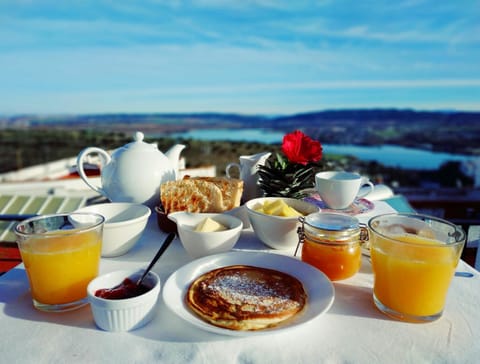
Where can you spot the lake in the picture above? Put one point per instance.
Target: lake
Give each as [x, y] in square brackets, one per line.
[388, 155]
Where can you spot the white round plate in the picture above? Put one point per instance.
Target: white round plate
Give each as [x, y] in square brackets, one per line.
[319, 289]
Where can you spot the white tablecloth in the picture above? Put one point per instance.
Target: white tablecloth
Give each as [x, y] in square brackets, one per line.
[351, 331]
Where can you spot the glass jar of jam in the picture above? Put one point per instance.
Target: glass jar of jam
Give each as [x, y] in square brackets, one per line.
[332, 243]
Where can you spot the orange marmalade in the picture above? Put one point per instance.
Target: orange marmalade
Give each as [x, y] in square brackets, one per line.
[331, 243]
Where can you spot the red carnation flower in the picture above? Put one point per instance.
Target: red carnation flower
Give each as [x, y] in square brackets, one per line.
[300, 148]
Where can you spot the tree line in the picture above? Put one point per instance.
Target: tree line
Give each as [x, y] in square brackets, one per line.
[24, 148]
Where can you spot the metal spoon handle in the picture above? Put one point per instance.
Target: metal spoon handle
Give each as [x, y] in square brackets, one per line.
[157, 256]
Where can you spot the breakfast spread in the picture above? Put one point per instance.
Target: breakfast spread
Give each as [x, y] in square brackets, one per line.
[242, 297]
[201, 194]
[277, 208]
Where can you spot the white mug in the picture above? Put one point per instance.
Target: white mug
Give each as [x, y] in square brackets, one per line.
[247, 170]
[339, 189]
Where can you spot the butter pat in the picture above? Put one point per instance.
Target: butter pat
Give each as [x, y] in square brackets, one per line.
[209, 225]
[277, 208]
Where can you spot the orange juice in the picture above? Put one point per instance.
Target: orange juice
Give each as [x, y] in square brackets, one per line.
[60, 266]
[412, 278]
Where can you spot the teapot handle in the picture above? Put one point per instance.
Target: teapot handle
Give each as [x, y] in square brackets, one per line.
[105, 160]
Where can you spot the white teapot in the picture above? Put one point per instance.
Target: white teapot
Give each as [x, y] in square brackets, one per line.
[134, 172]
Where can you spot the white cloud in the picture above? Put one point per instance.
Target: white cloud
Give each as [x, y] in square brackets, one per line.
[213, 52]
[257, 88]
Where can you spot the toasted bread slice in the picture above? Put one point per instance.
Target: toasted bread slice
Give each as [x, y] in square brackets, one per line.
[201, 194]
[231, 188]
[190, 195]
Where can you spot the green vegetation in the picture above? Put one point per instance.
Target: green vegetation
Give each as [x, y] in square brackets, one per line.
[35, 139]
[23, 148]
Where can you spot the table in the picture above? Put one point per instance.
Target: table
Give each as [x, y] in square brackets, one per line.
[351, 331]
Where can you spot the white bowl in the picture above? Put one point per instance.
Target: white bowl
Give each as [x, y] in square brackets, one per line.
[124, 224]
[277, 232]
[198, 244]
[123, 314]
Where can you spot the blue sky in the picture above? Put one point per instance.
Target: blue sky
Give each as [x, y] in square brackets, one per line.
[250, 57]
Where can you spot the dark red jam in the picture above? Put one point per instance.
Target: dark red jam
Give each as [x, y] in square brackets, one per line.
[126, 289]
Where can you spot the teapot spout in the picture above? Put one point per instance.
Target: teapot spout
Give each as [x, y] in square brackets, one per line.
[173, 155]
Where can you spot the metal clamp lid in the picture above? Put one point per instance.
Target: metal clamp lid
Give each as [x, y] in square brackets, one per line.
[332, 221]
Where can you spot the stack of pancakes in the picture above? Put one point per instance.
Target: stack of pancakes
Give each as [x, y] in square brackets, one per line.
[241, 297]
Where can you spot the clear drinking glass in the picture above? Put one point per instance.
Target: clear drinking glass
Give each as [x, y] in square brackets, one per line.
[61, 254]
[413, 259]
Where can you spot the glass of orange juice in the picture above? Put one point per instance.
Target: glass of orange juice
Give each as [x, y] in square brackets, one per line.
[413, 260]
[61, 254]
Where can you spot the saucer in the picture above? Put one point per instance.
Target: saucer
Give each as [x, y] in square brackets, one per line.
[359, 206]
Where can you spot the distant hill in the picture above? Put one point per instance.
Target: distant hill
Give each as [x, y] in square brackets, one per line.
[455, 132]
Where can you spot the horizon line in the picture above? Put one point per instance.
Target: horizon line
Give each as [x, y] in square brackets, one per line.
[367, 108]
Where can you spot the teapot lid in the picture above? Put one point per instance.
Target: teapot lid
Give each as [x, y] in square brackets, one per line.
[138, 149]
[139, 144]
[137, 137]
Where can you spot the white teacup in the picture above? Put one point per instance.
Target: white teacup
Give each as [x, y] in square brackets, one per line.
[340, 189]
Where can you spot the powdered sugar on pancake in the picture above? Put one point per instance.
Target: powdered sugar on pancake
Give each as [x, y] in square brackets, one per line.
[243, 289]
[241, 297]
